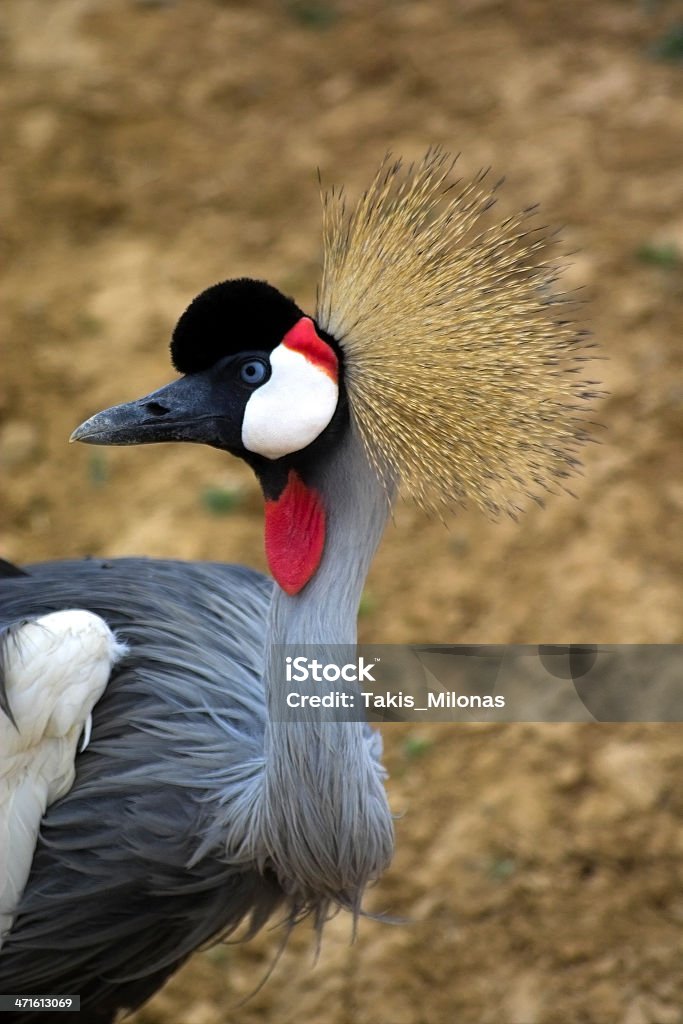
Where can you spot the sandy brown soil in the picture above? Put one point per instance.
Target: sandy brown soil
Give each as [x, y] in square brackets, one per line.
[151, 148]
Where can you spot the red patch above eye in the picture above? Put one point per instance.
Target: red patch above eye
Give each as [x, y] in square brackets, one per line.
[295, 534]
[304, 338]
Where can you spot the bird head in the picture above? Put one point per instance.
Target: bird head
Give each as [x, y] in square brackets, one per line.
[439, 338]
[261, 381]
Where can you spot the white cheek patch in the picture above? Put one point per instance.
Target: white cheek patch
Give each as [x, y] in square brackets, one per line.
[291, 409]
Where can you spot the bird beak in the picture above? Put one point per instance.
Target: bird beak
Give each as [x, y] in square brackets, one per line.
[185, 410]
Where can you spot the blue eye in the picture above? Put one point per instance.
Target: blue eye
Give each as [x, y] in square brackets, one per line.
[254, 371]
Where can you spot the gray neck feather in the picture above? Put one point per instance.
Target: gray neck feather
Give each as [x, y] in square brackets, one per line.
[325, 822]
[357, 508]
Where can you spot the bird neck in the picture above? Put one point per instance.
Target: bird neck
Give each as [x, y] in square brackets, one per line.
[356, 508]
[326, 823]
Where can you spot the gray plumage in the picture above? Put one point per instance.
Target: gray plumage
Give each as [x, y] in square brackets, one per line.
[120, 844]
[191, 811]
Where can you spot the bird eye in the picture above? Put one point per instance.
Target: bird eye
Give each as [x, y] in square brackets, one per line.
[254, 371]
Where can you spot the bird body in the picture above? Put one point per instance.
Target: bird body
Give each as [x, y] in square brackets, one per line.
[185, 821]
[195, 808]
[113, 884]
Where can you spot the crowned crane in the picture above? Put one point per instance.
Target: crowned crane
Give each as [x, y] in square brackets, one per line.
[149, 803]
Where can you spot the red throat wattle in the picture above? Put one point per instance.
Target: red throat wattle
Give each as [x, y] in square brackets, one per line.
[295, 534]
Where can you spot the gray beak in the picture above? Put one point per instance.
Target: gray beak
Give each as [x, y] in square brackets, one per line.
[185, 410]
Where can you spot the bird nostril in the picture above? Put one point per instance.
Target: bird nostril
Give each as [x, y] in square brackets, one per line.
[156, 408]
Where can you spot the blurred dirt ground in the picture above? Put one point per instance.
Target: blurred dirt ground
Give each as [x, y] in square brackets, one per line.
[151, 148]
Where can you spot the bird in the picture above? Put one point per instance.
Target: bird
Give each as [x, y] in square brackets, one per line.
[151, 800]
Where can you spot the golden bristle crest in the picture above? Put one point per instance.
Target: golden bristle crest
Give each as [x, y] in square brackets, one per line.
[460, 362]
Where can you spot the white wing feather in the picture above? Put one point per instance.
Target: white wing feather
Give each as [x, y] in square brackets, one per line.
[56, 669]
